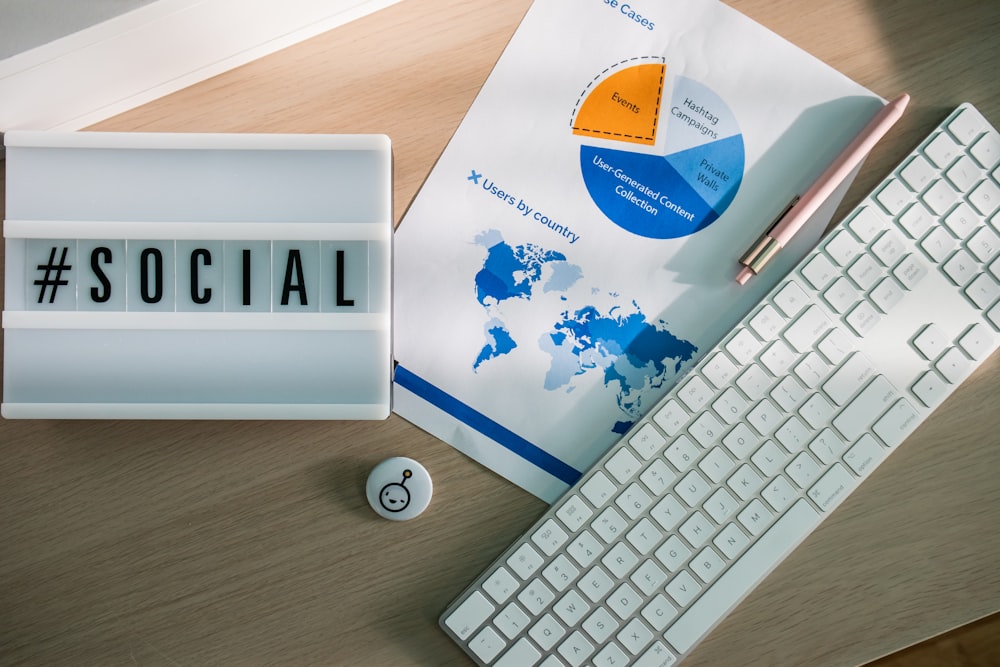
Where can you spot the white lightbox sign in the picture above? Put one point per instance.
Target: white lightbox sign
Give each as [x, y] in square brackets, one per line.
[197, 276]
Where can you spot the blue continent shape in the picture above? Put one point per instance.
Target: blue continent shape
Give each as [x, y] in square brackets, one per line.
[512, 273]
[630, 350]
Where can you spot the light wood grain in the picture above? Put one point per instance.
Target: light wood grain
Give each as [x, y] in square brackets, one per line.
[241, 543]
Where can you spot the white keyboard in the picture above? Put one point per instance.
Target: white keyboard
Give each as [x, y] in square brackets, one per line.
[768, 434]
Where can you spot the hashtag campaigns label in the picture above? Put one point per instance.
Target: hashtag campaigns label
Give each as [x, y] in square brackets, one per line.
[48, 270]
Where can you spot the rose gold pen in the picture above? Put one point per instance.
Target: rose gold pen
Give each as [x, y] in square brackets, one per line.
[788, 223]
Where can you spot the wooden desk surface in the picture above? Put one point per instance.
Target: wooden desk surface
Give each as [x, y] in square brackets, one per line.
[188, 543]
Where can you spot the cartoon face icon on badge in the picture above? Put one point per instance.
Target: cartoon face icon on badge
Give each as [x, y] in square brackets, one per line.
[395, 497]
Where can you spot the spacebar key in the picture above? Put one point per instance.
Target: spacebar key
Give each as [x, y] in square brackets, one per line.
[742, 576]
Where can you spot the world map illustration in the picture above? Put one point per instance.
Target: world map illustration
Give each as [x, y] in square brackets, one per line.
[610, 335]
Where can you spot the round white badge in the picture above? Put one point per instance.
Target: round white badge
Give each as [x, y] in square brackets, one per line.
[399, 488]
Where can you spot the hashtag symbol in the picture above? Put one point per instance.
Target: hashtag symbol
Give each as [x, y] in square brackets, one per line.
[47, 281]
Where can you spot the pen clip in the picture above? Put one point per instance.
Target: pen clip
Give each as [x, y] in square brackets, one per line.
[765, 247]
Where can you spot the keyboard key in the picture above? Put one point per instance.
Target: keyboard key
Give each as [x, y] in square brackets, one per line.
[897, 423]
[888, 248]
[777, 358]
[692, 488]
[719, 370]
[743, 346]
[977, 342]
[511, 620]
[549, 537]
[863, 318]
[916, 220]
[622, 465]
[827, 446]
[986, 197]
[769, 458]
[960, 267]
[841, 295]
[764, 417]
[547, 631]
[731, 540]
[866, 224]
[656, 656]
[742, 576]
[866, 407]
[887, 294]
[658, 613]
[942, 149]
[682, 453]
[574, 513]
[730, 405]
[984, 244]
[721, 505]
[962, 220]
[536, 596]
[716, 465]
[609, 656]
[585, 548]
[910, 271]
[619, 560]
[983, 290]
[683, 588]
[754, 382]
[807, 328]
[707, 565]
[755, 517]
[571, 608]
[695, 393]
[598, 489]
[608, 525]
[790, 299]
[672, 554]
[671, 417]
[967, 125]
[487, 644]
[931, 341]
[525, 561]
[918, 173]
[849, 378]
[501, 585]
[633, 501]
[986, 150]
[864, 455]
[940, 197]
[953, 366]
[832, 487]
[647, 441]
[648, 577]
[696, 529]
[767, 323]
[657, 477]
[560, 572]
[819, 272]
[780, 493]
[468, 616]
[930, 388]
[624, 601]
[596, 584]
[520, 654]
[576, 649]
[893, 197]
[644, 536]
[668, 512]
[963, 174]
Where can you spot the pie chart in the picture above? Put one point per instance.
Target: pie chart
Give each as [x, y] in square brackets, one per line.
[623, 115]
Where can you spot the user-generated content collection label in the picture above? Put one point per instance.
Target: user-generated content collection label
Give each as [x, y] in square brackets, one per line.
[197, 275]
